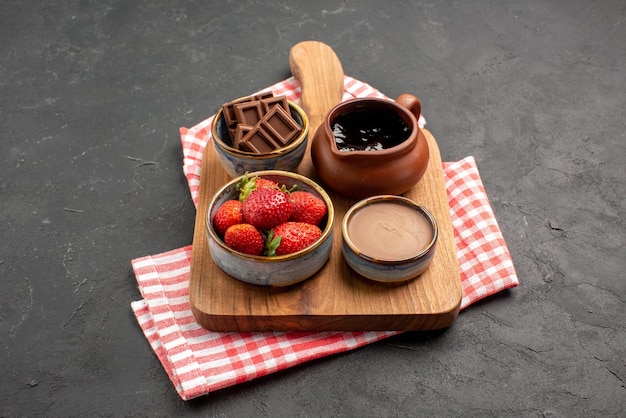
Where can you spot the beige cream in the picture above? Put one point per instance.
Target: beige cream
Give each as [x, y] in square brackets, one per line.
[389, 231]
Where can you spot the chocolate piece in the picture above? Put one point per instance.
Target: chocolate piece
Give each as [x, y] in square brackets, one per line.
[258, 141]
[263, 95]
[229, 112]
[270, 102]
[249, 113]
[229, 115]
[241, 131]
[278, 123]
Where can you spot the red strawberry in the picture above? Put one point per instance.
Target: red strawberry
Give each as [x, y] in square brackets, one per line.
[228, 214]
[247, 185]
[266, 208]
[295, 236]
[245, 238]
[262, 183]
[307, 207]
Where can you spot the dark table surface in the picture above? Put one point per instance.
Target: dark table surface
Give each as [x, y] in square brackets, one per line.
[92, 95]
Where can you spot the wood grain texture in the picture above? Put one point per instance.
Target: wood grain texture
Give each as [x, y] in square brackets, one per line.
[320, 74]
[335, 298]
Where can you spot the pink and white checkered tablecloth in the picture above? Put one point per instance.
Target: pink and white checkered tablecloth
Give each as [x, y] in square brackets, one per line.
[199, 361]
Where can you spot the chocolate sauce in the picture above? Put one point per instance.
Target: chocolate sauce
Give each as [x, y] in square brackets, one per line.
[369, 130]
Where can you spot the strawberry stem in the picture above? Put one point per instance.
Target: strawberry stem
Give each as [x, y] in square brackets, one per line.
[272, 243]
[245, 186]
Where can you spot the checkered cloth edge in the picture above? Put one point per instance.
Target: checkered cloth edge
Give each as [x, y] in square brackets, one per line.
[199, 361]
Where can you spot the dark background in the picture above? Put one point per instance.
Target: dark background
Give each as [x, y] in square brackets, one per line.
[92, 94]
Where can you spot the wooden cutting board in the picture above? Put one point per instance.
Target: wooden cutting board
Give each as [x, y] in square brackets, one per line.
[335, 298]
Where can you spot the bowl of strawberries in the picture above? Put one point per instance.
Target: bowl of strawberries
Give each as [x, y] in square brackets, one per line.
[270, 228]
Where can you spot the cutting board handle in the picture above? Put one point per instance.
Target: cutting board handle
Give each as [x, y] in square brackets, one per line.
[320, 73]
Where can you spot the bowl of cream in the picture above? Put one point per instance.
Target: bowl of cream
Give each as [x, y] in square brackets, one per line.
[389, 238]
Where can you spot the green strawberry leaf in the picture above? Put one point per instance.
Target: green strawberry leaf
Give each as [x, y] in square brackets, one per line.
[245, 186]
[272, 243]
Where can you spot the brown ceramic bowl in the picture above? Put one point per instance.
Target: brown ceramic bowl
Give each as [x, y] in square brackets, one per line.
[358, 173]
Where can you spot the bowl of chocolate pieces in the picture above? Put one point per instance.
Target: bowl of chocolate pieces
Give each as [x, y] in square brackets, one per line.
[260, 132]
